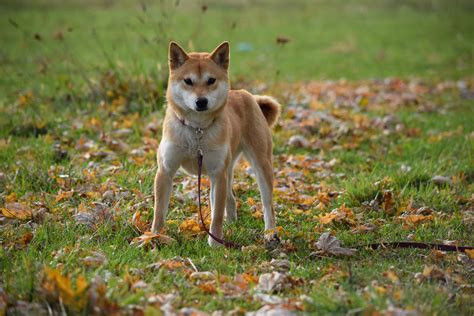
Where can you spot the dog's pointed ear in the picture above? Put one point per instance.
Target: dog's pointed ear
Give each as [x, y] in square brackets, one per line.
[221, 55]
[176, 55]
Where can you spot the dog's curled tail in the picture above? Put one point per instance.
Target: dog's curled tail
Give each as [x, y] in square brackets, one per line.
[270, 108]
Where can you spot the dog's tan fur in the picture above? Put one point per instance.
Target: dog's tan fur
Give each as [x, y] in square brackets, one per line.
[236, 122]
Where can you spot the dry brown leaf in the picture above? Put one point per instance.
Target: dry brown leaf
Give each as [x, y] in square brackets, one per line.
[208, 287]
[414, 220]
[273, 282]
[331, 245]
[387, 201]
[149, 238]
[342, 214]
[392, 276]
[432, 273]
[202, 276]
[95, 259]
[140, 225]
[17, 210]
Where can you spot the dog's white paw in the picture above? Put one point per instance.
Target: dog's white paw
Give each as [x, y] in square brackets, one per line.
[213, 243]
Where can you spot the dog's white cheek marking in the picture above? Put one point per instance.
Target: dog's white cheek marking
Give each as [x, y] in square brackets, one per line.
[217, 96]
[182, 97]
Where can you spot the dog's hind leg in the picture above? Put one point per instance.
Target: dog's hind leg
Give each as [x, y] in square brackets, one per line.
[231, 206]
[264, 172]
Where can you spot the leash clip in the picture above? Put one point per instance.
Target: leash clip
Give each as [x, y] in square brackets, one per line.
[199, 133]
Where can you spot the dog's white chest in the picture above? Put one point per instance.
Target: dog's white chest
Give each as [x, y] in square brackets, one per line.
[182, 151]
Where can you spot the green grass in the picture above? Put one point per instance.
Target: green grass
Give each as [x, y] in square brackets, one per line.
[342, 39]
[108, 73]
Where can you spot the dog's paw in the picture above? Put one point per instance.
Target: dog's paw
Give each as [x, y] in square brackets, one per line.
[272, 241]
[155, 229]
[213, 243]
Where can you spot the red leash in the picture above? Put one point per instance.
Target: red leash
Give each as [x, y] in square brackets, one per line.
[397, 244]
[226, 243]
[417, 245]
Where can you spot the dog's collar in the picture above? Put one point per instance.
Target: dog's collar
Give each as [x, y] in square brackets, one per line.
[190, 124]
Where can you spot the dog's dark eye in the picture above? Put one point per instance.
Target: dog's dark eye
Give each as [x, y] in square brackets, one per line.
[211, 81]
[188, 81]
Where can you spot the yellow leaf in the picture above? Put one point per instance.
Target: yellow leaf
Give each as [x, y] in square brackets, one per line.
[392, 276]
[328, 218]
[416, 219]
[190, 226]
[257, 214]
[54, 282]
[380, 289]
[149, 237]
[10, 197]
[17, 211]
[63, 195]
[250, 201]
[470, 253]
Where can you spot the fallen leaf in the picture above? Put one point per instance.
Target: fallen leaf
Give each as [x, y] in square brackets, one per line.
[387, 201]
[95, 259]
[17, 210]
[470, 253]
[395, 311]
[392, 276]
[208, 287]
[139, 285]
[57, 285]
[440, 180]
[268, 299]
[274, 282]
[140, 225]
[149, 238]
[190, 226]
[202, 276]
[331, 245]
[298, 141]
[273, 310]
[341, 214]
[432, 273]
[64, 195]
[414, 220]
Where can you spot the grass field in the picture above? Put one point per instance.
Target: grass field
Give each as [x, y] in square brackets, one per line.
[380, 95]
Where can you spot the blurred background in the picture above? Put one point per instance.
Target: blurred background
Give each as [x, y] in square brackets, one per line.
[49, 45]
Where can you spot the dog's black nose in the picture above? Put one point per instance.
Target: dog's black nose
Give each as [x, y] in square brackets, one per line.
[201, 104]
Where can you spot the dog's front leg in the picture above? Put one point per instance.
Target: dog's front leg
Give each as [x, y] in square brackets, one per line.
[168, 163]
[218, 198]
[162, 187]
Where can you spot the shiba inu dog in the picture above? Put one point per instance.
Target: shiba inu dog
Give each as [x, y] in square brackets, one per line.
[204, 114]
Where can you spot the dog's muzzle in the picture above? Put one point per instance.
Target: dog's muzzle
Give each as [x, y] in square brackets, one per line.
[201, 104]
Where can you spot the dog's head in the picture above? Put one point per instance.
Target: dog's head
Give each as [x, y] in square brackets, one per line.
[198, 82]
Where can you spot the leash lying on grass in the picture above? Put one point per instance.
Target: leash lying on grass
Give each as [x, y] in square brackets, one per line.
[417, 245]
[393, 245]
